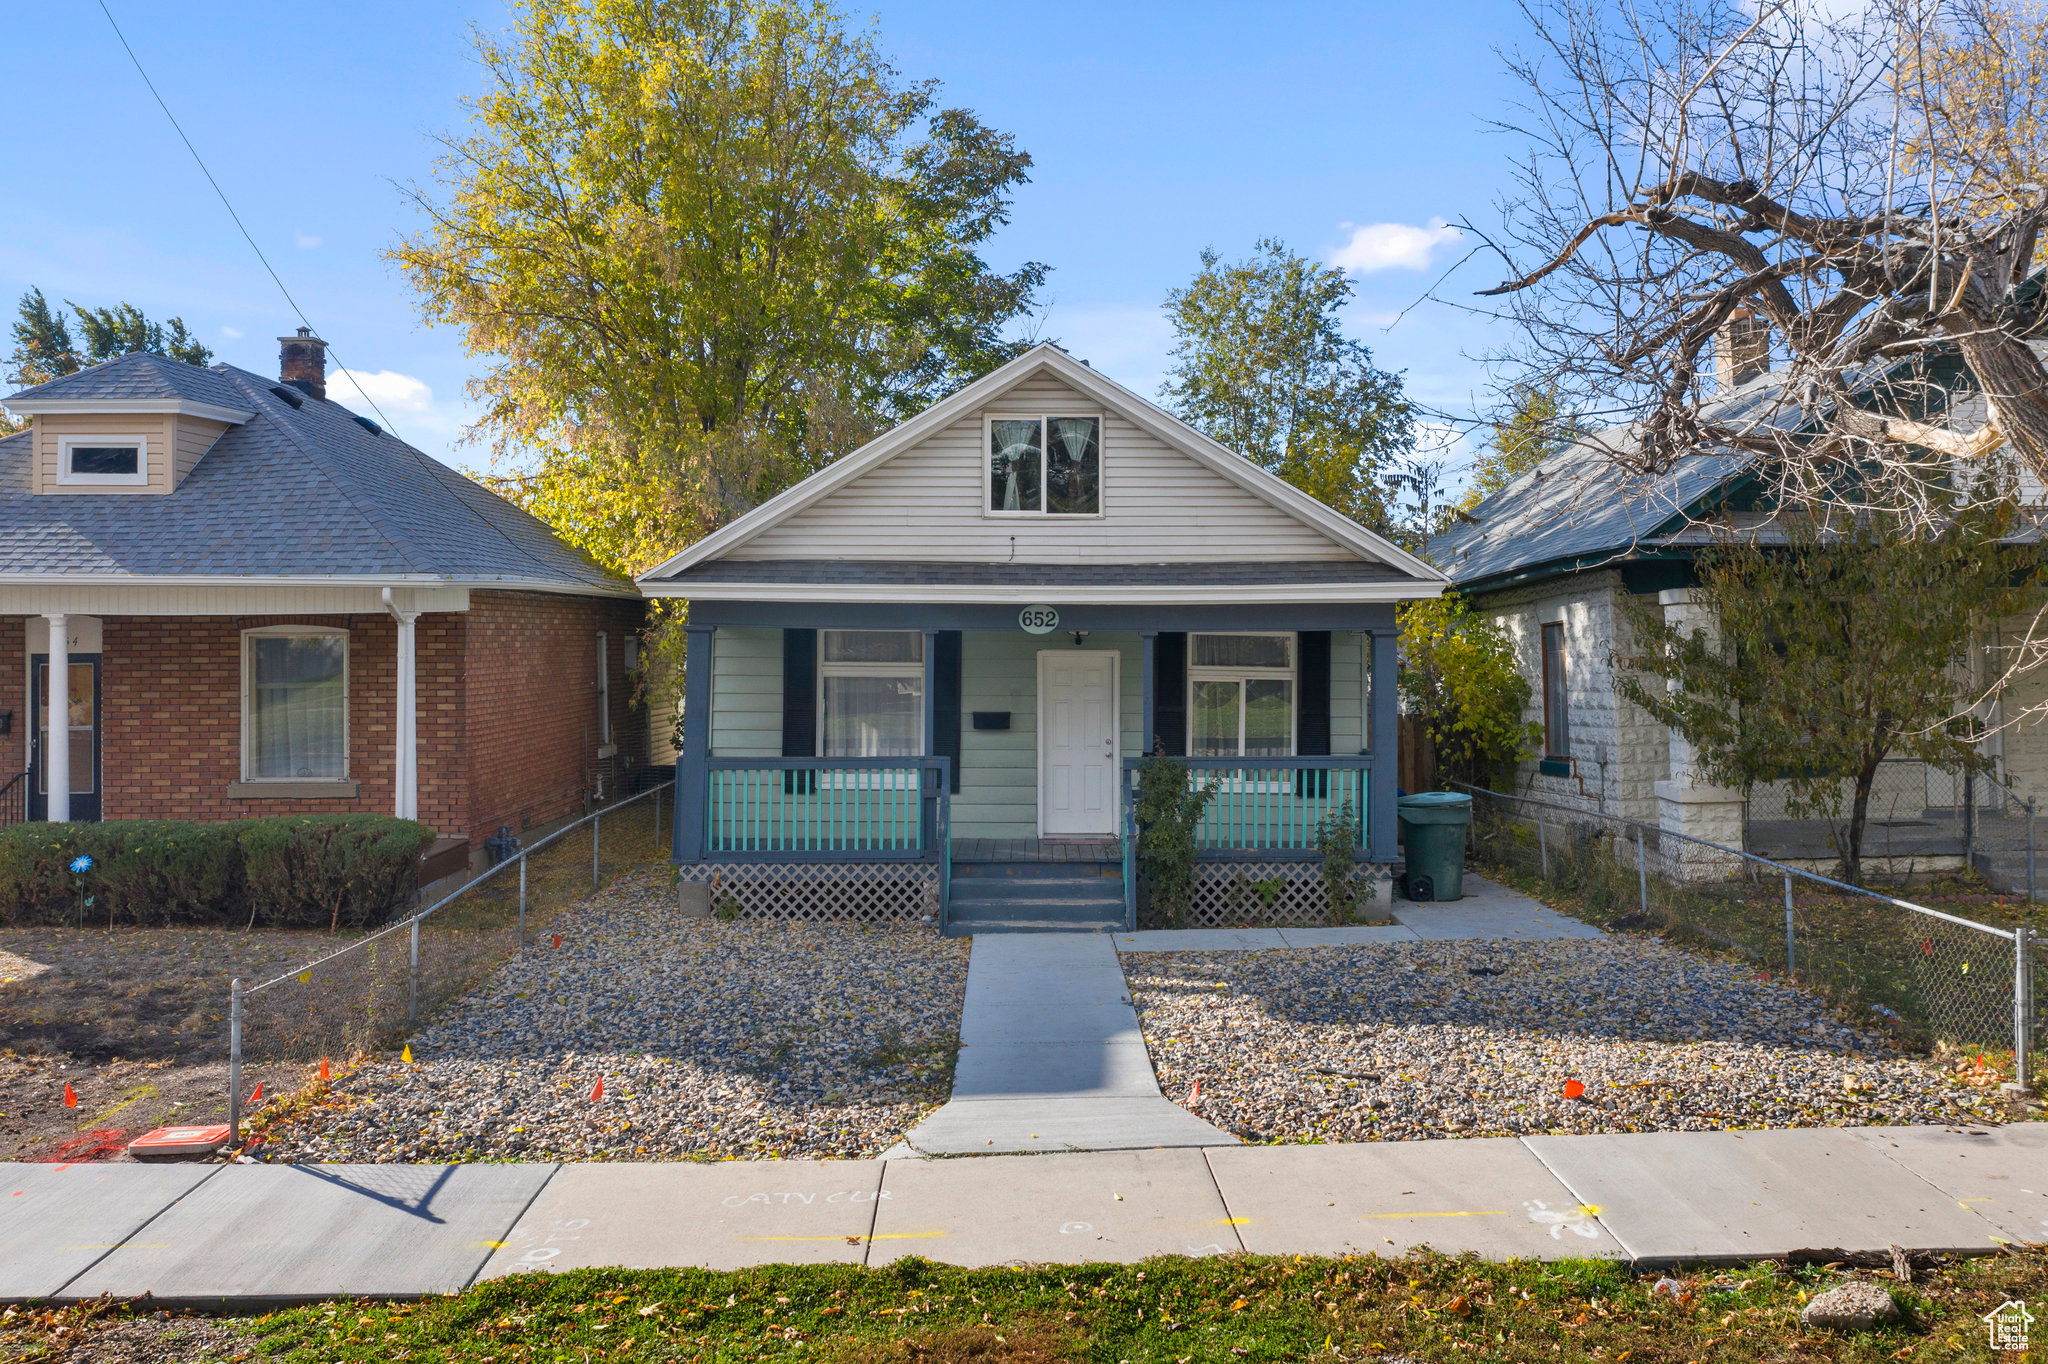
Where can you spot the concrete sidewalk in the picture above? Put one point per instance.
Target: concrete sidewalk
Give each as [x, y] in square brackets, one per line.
[1486, 910]
[1051, 1058]
[248, 1237]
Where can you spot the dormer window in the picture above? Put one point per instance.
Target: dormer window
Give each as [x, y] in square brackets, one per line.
[1044, 466]
[103, 461]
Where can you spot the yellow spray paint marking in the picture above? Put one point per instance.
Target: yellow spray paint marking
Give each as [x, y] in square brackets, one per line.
[493, 1245]
[1590, 1209]
[884, 1236]
[1235, 1222]
[1396, 1216]
[141, 1093]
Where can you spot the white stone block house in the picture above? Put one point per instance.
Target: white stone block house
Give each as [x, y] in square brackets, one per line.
[1554, 555]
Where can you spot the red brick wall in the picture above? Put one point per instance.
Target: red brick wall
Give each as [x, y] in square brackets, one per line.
[532, 713]
[171, 715]
[507, 711]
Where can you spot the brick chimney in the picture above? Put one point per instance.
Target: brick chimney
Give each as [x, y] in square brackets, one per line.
[1742, 350]
[302, 362]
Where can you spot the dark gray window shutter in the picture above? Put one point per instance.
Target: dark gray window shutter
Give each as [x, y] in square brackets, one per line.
[946, 706]
[1312, 708]
[1170, 692]
[799, 704]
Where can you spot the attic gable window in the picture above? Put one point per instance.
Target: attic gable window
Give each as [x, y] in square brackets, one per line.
[103, 461]
[1044, 465]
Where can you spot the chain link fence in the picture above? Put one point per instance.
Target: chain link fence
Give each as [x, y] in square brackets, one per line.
[1928, 979]
[1919, 819]
[369, 993]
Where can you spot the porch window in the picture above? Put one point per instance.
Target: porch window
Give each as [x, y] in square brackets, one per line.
[871, 693]
[1045, 465]
[1241, 696]
[294, 704]
[1557, 721]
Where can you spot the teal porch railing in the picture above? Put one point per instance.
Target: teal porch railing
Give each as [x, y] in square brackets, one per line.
[827, 809]
[1263, 807]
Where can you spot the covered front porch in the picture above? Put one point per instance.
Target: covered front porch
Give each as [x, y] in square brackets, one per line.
[978, 764]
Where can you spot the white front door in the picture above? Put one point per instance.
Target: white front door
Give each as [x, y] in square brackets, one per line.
[1077, 742]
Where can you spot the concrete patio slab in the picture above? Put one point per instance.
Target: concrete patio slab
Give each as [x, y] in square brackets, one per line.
[727, 1216]
[1201, 940]
[1491, 1196]
[57, 1220]
[262, 1235]
[1348, 935]
[1066, 1209]
[1751, 1195]
[1998, 1173]
[1071, 1069]
[967, 1127]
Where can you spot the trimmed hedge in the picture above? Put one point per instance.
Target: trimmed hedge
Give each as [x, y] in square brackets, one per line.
[290, 871]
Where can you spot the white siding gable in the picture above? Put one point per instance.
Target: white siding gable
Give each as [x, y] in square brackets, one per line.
[926, 502]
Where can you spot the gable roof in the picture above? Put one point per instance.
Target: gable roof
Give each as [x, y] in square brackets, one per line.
[298, 492]
[678, 575]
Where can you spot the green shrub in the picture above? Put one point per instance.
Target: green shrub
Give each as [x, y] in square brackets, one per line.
[313, 871]
[1168, 812]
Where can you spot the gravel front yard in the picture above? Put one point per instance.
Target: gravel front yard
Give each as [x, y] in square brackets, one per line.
[1438, 1039]
[713, 1040]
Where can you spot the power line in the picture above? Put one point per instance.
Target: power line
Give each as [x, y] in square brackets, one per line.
[240, 226]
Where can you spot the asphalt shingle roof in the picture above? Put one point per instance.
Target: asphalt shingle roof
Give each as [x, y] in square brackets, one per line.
[303, 491]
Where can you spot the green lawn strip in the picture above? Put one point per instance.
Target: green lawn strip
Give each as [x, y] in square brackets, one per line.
[1425, 1306]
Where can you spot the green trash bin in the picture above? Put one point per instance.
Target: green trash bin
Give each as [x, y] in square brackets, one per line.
[1433, 826]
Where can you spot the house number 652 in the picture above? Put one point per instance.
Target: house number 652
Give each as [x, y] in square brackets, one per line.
[1038, 620]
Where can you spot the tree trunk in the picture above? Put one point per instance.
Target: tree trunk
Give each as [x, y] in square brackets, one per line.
[1859, 814]
[2011, 375]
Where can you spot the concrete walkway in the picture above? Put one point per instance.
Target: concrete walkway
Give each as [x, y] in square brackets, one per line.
[248, 1237]
[1051, 1058]
[1487, 910]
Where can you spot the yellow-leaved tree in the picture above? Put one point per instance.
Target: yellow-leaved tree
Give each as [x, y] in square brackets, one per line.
[701, 248]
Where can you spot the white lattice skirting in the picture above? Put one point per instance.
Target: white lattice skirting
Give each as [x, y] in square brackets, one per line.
[1238, 894]
[871, 892]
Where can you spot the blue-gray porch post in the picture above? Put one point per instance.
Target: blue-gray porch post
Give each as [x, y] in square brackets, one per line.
[1150, 695]
[692, 765]
[1385, 746]
[928, 809]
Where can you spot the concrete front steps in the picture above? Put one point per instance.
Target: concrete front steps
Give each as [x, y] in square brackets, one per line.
[1036, 897]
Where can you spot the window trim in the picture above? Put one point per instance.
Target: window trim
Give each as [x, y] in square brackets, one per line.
[1042, 416]
[138, 479]
[826, 670]
[249, 778]
[1551, 750]
[604, 688]
[1291, 674]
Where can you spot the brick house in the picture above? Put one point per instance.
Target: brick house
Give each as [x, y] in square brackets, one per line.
[264, 604]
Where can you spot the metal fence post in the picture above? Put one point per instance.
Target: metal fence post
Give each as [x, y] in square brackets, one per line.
[2022, 1007]
[1543, 846]
[522, 899]
[1790, 964]
[1642, 874]
[2030, 850]
[235, 1062]
[412, 976]
[596, 833]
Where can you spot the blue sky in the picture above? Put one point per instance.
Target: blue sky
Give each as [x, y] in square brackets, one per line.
[1350, 131]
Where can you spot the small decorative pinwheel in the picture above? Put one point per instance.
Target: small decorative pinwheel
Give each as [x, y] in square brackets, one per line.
[81, 864]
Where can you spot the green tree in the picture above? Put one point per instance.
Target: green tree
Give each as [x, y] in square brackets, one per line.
[1458, 677]
[44, 349]
[1830, 655]
[1261, 364]
[1525, 432]
[703, 247]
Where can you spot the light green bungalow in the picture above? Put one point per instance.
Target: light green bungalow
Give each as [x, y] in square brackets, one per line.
[922, 681]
